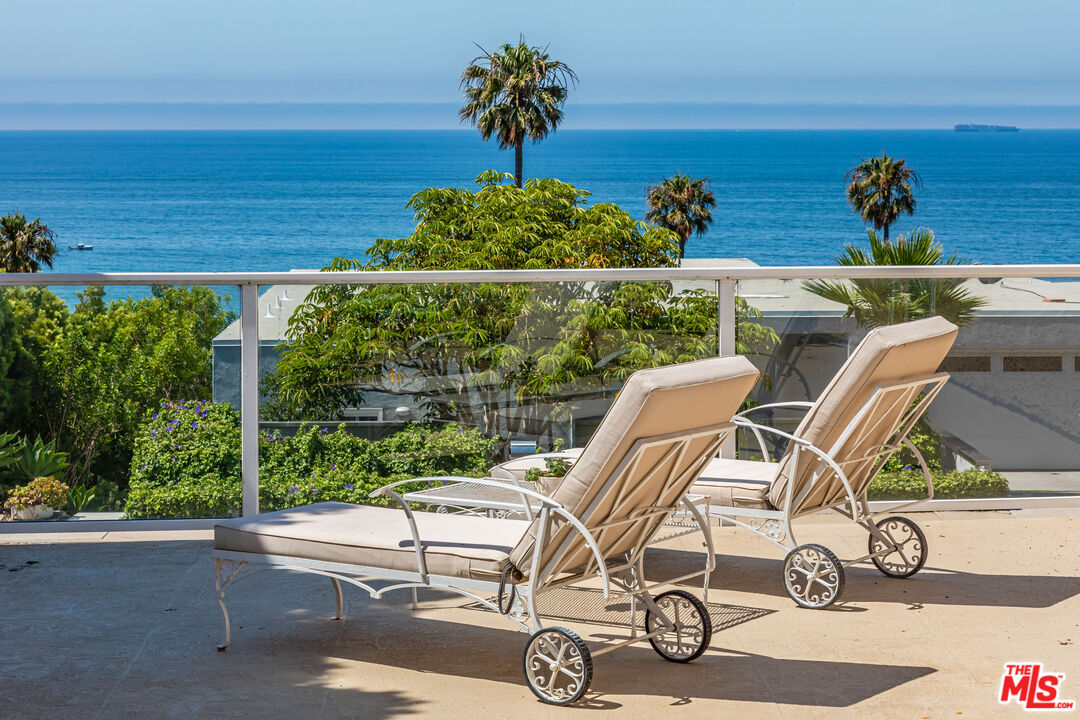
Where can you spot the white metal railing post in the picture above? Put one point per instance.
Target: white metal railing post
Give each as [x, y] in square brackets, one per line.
[249, 398]
[725, 327]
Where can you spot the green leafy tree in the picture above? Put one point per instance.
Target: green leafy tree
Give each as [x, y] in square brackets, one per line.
[505, 358]
[683, 205]
[879, 189]
[25, 245]
[874, 302]
[515, 94]
[31, 320]
[114, 361]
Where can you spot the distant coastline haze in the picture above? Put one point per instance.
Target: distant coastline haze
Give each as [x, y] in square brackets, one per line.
[581, 116]
[335, 64]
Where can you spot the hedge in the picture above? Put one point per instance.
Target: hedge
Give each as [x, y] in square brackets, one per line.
[910, 485]
[186, 462]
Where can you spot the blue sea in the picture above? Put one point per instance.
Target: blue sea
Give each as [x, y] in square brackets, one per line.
[277, 200]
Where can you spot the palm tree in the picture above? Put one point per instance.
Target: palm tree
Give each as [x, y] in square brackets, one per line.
[879, 190]
[681, 204]
[516, 93]
[24, 246]
[878, 301]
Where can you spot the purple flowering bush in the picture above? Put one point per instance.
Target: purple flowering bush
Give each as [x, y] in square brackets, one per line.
[187, 462]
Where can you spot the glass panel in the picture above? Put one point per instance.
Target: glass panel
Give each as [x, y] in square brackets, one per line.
[110, 391]
[1007, 420]
[365, 385]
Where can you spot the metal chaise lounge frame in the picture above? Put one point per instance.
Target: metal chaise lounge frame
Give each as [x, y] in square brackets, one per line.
[813, 479]
[596, 525]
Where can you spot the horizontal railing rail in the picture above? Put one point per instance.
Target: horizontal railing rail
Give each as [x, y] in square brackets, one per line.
[391, 277]
[725, 276]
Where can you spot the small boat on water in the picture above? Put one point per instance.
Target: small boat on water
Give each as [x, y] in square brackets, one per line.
[80, 246]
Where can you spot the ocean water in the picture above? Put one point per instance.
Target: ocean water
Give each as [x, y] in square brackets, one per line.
[269, 200]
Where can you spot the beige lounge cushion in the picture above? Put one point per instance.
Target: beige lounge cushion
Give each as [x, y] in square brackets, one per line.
[454, 545]
[652, 402]
[736, 483]
[887, 355]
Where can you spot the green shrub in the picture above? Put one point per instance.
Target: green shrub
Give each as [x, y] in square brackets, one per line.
[926, 441]
[187, 462]
[47, 491]
[910, 485]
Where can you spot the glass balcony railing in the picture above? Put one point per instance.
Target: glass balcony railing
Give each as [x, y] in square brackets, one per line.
[263, 391]
[1007, 424]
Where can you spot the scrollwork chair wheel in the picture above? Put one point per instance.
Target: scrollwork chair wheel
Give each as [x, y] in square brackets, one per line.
[557, 666]
[693, 626]
[813, 576]
[908, 547]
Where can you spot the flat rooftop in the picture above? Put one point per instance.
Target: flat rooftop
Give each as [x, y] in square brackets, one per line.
[775, 298]
[124, 625]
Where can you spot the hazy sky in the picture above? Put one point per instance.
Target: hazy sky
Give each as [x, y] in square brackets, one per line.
[828, 51]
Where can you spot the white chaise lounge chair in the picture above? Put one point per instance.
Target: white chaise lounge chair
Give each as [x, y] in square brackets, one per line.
[845, 438]
[664, 427]
[861, 418]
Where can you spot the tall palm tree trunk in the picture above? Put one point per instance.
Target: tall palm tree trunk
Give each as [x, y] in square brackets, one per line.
[682, 245]
[885, 233]
[519, 164]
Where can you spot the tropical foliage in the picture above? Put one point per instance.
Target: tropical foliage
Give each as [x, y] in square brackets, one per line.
[683, 205]
[878, 301]
[515, 94]
[879, 189]
[25, 245]
[37, 459]
[506, 358]
[187, 462]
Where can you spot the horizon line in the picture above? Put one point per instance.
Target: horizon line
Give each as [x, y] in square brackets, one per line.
[609, 103]
[443, 116]
[473, 130]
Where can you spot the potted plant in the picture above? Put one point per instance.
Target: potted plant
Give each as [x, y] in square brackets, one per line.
[38, 499]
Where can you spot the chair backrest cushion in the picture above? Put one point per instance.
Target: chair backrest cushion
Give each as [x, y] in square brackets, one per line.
[887, 355]
[656, 401]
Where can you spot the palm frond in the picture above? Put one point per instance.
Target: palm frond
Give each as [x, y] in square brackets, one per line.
[878, 301]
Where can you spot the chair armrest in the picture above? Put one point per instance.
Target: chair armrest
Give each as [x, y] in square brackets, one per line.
[548, 506]
[802, 404]
[754, 427]
[757, 428]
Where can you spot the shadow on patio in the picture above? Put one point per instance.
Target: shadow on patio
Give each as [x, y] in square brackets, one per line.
[932, 585]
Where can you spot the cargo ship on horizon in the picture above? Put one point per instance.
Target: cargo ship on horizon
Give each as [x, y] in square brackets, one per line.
[972, 127]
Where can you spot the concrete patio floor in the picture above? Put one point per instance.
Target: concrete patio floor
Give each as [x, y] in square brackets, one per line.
[123, 625]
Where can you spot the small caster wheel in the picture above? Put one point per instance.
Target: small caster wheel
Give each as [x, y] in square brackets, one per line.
[693, 626]
[557, 666]
[813, 576]
[904, 554]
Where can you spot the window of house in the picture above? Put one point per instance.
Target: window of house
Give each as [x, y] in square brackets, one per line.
[1032, 363]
